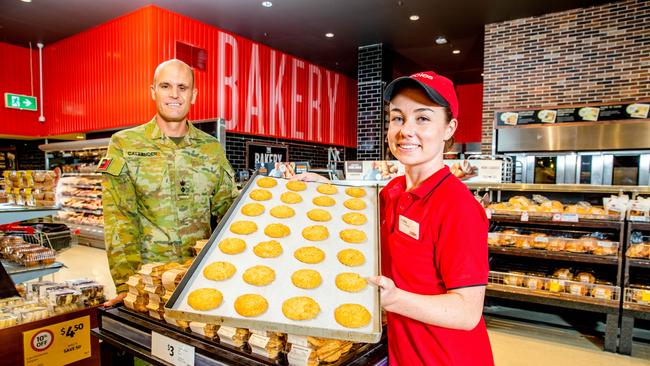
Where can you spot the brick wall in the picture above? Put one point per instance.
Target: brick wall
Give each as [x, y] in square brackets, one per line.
[589, 55]
[315, 154]
[370, 105]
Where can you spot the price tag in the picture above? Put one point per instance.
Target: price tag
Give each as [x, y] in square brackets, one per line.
[524, 216]
[570, 217]
[557, 217]
[541, 239]
[226, 332]
[605, 244]
[171, 350]
[488, 213]
[493, 235]
[298, 355]
[637, 218]
[297, 340]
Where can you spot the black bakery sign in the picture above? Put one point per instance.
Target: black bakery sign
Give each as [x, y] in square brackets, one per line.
[586, 114]
[257, 153]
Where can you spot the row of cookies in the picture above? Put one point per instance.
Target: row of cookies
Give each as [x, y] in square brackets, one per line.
[294, 308]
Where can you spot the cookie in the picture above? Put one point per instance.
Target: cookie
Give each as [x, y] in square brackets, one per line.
[260, 195]
[268, 249]
[324, 201]
[290, 197]
[219, 271]
[355, 218]
[296, 185]
[327, 189]
[252, 209]
[355, 192]
[266, 182]
[300, 308]
[232, 245]
[355, 204]
[310, 255]
[315, 233]
[353, 236]
[351, 257]
[250, 305]
[282, 212]
[318, 214]
[204, 299]
[352, 315]
[306, 278]
[350, 282]
[259, 275]
[277, 230]
[243, 227]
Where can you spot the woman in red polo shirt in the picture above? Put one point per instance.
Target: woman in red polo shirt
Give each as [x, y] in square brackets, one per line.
[434, 235]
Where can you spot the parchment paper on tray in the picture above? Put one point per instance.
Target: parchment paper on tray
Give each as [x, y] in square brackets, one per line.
[268, 278]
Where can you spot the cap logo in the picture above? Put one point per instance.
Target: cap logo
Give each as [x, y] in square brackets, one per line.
[422, 75]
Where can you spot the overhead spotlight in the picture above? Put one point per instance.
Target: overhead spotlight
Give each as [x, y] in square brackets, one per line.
[26, 1]
[455, 52]
[441, 40]
[267, 4]
[329, 35]
[414, 17]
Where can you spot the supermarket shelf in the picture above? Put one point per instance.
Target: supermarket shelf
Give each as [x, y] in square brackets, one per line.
[636, 310]
[636, 225]
[545, 254]
[637, 262]
[608, 224]
[20, 274]
[82, 175]
[12, 213]
[554, 299]
[565, 188]
[74, 209]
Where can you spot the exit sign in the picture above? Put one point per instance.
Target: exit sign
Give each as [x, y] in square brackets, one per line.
[18, 101]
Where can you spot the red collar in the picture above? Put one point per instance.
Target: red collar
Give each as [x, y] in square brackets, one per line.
[399, 184]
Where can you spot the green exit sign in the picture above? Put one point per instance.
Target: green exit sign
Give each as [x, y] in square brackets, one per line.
[18, 101]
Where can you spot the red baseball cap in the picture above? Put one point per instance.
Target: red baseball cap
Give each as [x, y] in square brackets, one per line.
[438, 88]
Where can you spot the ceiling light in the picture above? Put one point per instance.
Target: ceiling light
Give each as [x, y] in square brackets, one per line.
[329, 35]
[414, 17]
[441, 40]
[455, 52]
[267, 4]
[26, 1]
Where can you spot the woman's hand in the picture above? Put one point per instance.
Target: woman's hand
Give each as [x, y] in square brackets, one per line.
[389, 293]
[310, 177]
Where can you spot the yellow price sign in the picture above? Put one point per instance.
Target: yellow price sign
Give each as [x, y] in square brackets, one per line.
[58, 344]
[645, 296]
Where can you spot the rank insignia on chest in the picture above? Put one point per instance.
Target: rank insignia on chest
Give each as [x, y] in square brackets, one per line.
[104, 164]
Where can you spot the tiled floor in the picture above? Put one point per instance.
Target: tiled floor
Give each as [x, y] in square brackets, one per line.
[514, 343]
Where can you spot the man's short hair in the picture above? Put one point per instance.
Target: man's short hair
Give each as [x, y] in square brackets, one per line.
[165, 63]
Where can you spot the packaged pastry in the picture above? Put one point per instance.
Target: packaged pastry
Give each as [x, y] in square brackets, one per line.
[606, 248]
[556, 285]
[556, 244]
[514, 279]
[575, 246]
[520, 201]
[236, 337]
[552, 206]
[493, 239]
[267, 344]
[563, 274]
[589, 243]
[206, 330]
[524, 241]
[535, 281]
[640, 294]
[579, 289]
[8, 320]
[602, 291]
[585, 277]
[641, 250]
[506, 238]
[540, 240]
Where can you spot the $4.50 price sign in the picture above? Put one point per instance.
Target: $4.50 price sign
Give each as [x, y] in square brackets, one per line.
[171, 350]
[58, 344]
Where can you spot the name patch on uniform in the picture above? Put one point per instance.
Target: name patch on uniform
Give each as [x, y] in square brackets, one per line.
[146, 154]
[104, 164]
[409, 227]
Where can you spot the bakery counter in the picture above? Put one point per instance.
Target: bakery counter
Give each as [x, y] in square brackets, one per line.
[124, 331]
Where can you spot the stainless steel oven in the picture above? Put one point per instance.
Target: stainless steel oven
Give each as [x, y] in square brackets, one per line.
[548, 168]
[628, 168]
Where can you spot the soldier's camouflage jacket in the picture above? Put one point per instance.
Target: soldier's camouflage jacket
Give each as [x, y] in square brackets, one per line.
[158, 196]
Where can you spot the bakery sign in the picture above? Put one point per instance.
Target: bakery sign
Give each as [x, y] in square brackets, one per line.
[259, 153]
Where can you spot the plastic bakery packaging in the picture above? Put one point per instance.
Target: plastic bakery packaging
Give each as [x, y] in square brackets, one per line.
[290, 257]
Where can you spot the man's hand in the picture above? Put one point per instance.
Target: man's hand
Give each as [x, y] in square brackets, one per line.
[118, 299]
[388, 292]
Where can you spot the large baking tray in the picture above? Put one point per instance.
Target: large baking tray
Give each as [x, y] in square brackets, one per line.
[327, 295]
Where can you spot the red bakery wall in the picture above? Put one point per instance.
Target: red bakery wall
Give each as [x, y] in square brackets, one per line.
[470, 101]
[16, 78]
[99, 79]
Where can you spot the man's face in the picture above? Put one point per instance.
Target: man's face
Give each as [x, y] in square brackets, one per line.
[173, 91]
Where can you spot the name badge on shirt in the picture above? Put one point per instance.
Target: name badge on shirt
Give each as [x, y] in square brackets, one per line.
[409, 227]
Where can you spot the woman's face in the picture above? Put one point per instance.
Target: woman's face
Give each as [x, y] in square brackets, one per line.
[418, 129]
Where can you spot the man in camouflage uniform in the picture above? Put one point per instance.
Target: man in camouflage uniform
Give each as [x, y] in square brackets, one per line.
[162, 182]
